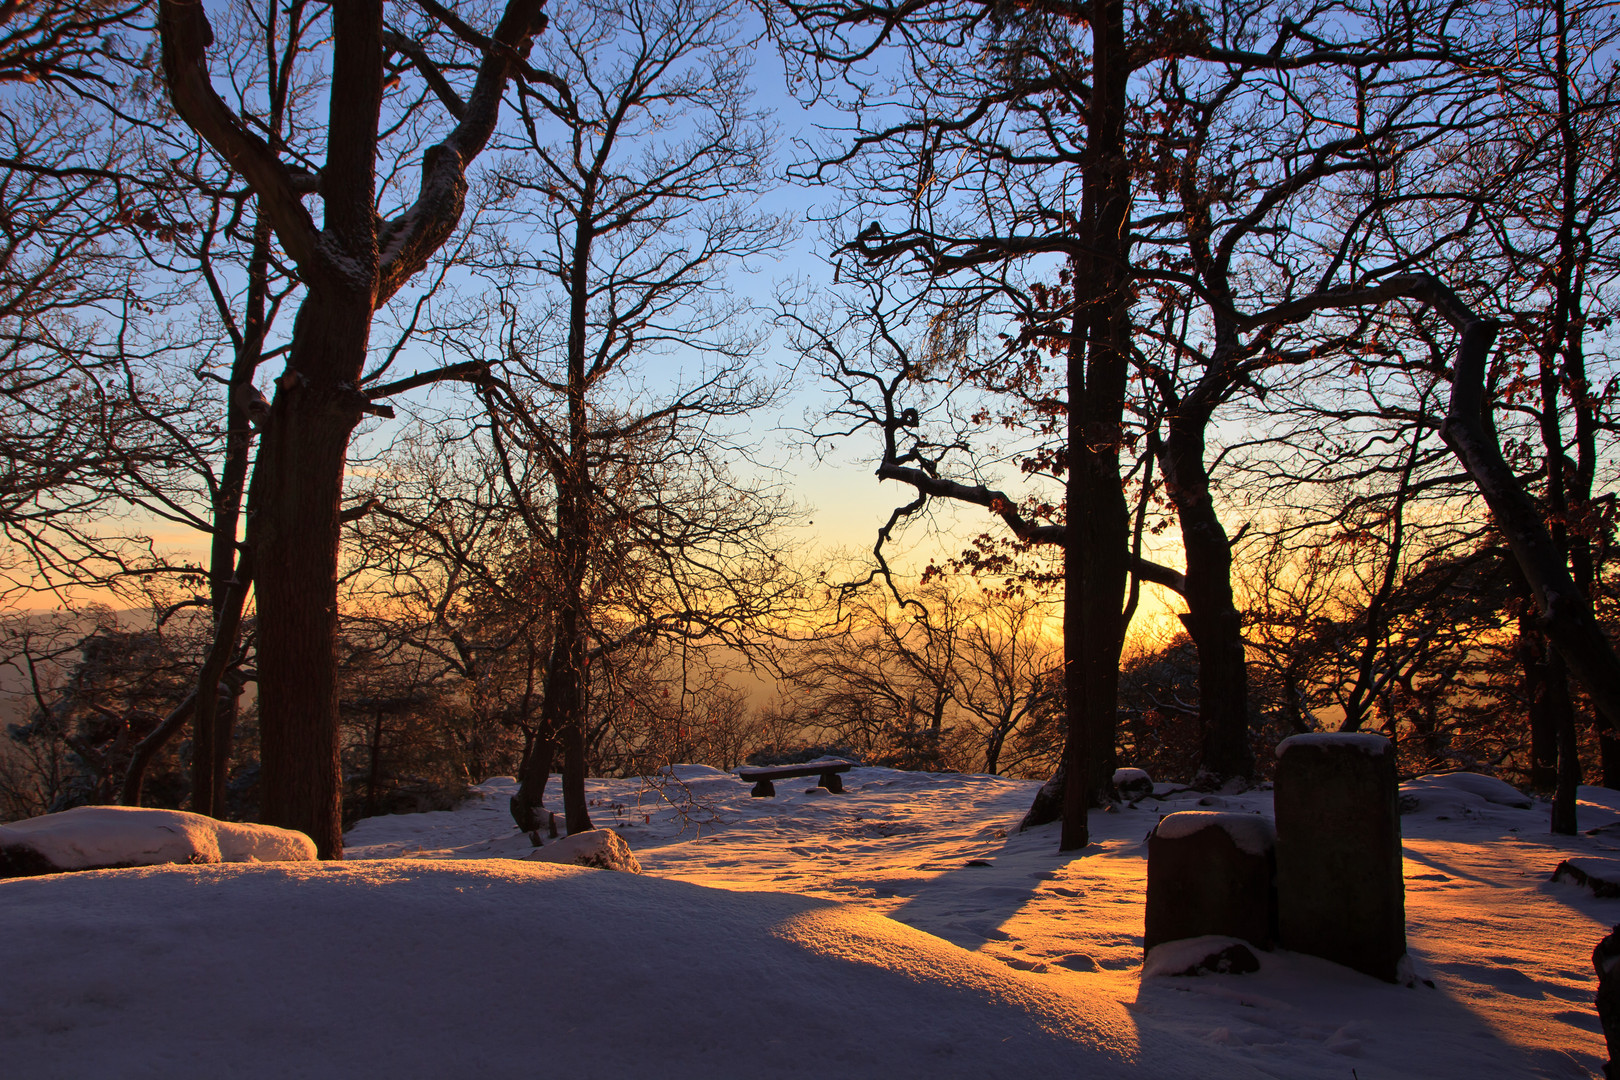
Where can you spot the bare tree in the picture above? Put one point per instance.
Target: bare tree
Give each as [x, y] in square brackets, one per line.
[629, 178]
[1011, 161]
[350, 264]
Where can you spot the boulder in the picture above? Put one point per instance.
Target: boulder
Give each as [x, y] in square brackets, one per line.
[1602, 876]
[1211, 874]
[1212, 955]
[1340, 894]
[1048, 804]
[1132, 784]
[112, 837]
[603, 849]
[1606, 959]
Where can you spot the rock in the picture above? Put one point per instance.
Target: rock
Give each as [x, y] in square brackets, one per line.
[1213, 955]
[1606, 959]
[1048, 804]
[1132, 784]
[1602, 876]
[1211, 874]
[113, 837]
[1340, 895]
[603, 849]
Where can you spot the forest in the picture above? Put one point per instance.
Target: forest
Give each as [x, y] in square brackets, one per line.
[399, 395]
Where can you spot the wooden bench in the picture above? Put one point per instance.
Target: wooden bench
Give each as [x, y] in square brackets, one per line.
[828, 770]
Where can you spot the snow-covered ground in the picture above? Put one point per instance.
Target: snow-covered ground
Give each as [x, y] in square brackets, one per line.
[903, 928]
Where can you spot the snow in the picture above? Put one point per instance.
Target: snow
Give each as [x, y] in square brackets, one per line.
[1456, 790]
[101, 836]
[903, 928]
[1365, 741]
[1252, 833]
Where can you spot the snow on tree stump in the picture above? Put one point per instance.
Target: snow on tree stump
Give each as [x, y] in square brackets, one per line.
[1340, 894]
[1210, 874]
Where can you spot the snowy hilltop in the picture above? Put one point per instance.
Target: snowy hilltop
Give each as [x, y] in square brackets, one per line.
[901, 928]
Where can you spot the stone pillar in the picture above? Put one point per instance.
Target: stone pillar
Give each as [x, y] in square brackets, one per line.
[1211, 873]
[1340, 893]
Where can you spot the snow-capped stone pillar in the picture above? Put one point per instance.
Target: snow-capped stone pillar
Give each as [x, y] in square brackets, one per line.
[1210, 873]
[1340, 894]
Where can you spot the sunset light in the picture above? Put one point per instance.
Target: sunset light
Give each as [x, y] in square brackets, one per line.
[702, 538]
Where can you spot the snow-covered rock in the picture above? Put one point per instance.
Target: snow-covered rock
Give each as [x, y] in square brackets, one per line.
[1210, 873]
[1600, 875]
[1252, 833]
[603, 849]
[1132, 784]
[1211, 954]
[1365, 741]
[107, 837]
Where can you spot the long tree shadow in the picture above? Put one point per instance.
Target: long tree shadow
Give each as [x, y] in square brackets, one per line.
[970, 900]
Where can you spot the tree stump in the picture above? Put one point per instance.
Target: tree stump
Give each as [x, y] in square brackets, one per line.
[1340, 893]
[1211, 873]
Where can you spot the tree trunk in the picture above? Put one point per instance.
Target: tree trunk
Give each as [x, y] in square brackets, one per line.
[1608, 756]
[564, 713]
[228, 572]
[229, 698]
[1212, 617]
[293, 533]
[535, 773]
[1532, 652]
[1569, 755]
[211, 727]
[1097, 522]
[374, 765]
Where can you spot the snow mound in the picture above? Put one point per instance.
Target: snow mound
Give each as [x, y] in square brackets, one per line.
[602, 849]
[104, 837]
[1461, 794]
[1365, 741]
[1252, 833]
[1444, 787]
[414, 968]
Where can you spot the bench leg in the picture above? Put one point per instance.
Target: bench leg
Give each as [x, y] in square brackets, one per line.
[763, 790]
[832, 782]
